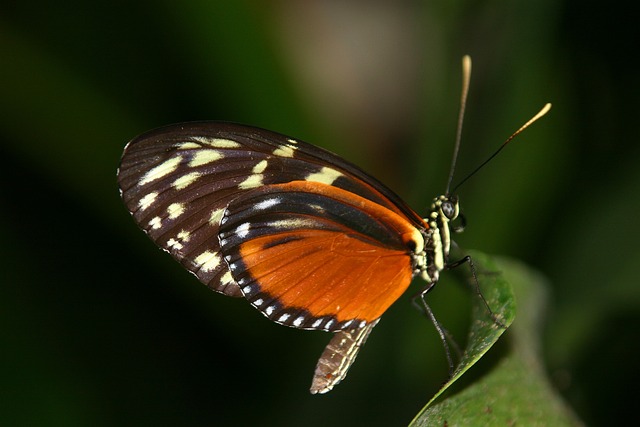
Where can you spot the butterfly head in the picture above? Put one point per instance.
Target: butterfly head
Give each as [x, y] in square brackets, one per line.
[444, 210]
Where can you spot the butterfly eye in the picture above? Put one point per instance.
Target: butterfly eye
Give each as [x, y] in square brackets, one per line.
[449, 209]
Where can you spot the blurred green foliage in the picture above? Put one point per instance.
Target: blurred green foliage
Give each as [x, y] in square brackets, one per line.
[97, 327]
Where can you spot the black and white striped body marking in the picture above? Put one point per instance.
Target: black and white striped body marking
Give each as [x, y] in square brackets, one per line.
[433, 259]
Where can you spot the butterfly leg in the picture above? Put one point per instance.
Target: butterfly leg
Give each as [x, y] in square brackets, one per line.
[423, 306]
[468, 260]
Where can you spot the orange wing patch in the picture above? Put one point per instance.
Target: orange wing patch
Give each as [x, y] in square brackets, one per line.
[328, 273]
[314, 256]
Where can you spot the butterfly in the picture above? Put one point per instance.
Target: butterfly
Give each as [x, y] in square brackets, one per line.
[306, 237]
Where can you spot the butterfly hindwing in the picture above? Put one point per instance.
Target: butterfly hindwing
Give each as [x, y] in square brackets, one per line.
[314, 256]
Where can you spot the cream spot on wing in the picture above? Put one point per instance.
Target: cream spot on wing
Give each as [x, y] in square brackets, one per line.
[216, 216]
[217, 142]
[188, 146]
[155, 223]
[226, 278]
[325, 176]
[204, 157]
[161, 170]
[174, 244]
[208, 261]
[183, 236]
[252, 181]
[186, 180]
[284, 151]
[292, 141]
[260, 167]
[175, 210]
[147, 200]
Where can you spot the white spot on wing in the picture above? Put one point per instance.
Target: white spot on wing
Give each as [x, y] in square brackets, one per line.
[299, 320]
[186, 180]
[204, 157]
[175, 210]
[269, 310]
[161, 170]
[243, 230]
[284, 317]
[147, 200]
[266, 204]
[325, 176]
[258, 302]
[208, 261]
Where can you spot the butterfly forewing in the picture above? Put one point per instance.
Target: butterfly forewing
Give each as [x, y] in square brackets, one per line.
[179, 181]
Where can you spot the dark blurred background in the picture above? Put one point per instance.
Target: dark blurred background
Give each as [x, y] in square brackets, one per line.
[98, 327]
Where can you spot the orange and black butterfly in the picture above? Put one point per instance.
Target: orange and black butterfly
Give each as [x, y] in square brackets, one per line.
[309, 239]
[306, 237]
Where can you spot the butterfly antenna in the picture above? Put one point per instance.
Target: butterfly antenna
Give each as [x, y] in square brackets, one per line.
[466, 77]
[540, 113]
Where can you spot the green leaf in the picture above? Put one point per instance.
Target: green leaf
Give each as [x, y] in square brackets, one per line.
[515, 391]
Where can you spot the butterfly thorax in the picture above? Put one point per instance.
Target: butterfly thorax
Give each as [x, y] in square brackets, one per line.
[437, 237]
